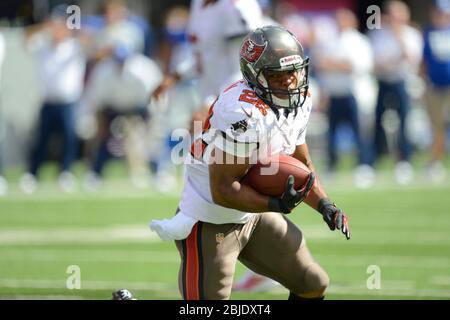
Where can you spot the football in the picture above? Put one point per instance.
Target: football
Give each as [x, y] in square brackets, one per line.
[269, 178]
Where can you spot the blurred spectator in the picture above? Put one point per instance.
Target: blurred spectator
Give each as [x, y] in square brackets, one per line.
[340, 61]
[216, 28]
[118, 92]
[147, 30]
[268, 10]
[61, 63]
[119, 29]
[398, 52]
[300, 26]
[176, 108]
[437, 65]
[3, 182]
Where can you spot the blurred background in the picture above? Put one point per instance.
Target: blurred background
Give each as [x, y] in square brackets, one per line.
[97, 96]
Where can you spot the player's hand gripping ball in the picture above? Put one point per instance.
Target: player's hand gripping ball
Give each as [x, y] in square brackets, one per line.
[284, 178]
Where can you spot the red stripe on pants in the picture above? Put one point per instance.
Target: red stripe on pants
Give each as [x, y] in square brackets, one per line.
[192, 267]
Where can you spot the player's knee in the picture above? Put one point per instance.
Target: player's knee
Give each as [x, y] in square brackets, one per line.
[221, 292]
[316, 280]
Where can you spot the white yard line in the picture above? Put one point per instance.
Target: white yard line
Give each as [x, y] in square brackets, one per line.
[133, 233]
[380, 237]
[92, 256]
[86, 284]
[393, 288]
[441, 280]
[390, 241]
[166, 256]
[410, 262]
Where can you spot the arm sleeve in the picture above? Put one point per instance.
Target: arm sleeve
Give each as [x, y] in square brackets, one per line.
[302, 136]
[234, 133]
[301, 139]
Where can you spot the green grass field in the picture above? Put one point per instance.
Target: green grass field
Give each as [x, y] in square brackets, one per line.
[405, 231]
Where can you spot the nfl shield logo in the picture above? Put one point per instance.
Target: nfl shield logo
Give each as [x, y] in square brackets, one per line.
[219, 237]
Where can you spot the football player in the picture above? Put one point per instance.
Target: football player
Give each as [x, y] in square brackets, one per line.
[216, 29]
[220, 220]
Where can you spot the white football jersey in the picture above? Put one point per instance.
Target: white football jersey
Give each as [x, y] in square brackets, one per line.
[212, 29]
[240, 124]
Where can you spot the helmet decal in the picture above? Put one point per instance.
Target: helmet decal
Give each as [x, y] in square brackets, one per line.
[285, 61]
[251, 51]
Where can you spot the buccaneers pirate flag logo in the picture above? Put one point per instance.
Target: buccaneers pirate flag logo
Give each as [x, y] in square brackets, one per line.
[251, 51]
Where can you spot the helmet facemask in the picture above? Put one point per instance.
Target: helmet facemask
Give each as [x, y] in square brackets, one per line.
[290, 98]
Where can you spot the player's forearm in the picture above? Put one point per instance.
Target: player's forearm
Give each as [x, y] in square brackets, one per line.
[240, 197]
[316, 194]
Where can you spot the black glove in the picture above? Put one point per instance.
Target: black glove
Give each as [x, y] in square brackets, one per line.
[291, 197]
[334, 217]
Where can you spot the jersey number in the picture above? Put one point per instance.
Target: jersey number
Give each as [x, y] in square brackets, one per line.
[250, 96]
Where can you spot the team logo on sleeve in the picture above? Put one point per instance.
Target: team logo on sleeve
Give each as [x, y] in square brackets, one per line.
[239, 127]
[251, 51]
